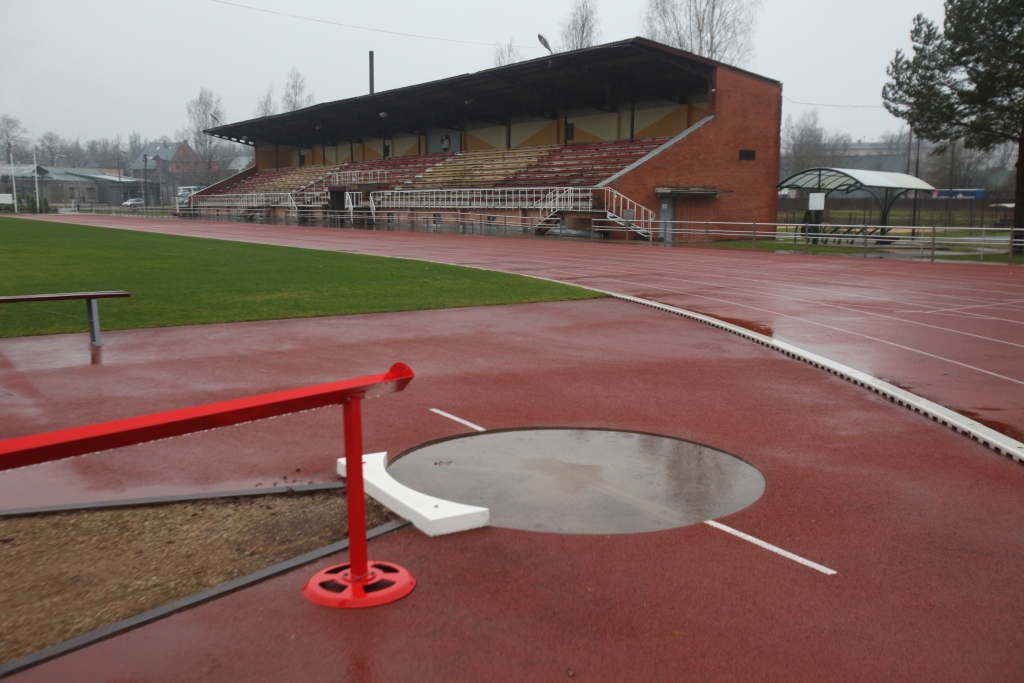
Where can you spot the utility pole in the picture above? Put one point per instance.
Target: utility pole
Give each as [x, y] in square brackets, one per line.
[14, 187]
[145, 179]
[371, 72]
[35, 172]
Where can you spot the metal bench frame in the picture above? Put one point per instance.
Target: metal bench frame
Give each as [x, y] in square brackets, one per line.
[92, 307]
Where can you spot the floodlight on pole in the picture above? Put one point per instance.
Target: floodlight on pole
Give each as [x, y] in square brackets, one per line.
[35, 173]
[14, 186]
[544, 42]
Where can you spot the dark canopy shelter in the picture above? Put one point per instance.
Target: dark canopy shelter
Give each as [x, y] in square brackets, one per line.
[602, 77]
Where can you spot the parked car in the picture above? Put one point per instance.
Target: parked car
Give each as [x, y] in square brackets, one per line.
[133, 202]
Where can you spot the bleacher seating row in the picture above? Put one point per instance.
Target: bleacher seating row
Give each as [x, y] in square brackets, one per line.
[282, 180]
[485, 168]
[582, 165]
[577, 165]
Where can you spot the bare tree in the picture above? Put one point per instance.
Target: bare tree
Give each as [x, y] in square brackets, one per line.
[956, 166]
[896, 142]
[11, 135]
[205, 111]
[805, 144]
[507, 54]
[581, 29]
[267, 106]
[295, 96]
[74, 154]
[136, 145]
[722, 30]
[51, 146]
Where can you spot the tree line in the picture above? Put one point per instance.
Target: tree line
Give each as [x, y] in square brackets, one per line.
[722, 30]
[806, 143]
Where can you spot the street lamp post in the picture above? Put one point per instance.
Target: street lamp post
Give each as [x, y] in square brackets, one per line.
[14, 186]
[145, 179]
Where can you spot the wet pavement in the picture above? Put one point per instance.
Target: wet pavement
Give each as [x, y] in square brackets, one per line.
[582, 481]
[951, 332]
[922, 525]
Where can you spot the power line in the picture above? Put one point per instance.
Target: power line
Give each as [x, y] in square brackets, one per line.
[361, 28]
[841, 106]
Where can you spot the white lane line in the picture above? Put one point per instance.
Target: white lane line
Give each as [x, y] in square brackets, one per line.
[769, 546]
[458, 419]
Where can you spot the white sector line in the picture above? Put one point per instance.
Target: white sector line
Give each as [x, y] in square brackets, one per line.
[458, 419]
[729, 530]
[769, 546]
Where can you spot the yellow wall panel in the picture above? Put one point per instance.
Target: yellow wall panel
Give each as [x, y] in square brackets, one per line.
[546, 133]
[599, 128]
[697, 112]
[662, 121]
[490, 137]
[404, 146]
[264, 157]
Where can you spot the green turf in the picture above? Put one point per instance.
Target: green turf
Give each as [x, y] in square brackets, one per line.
[188, 281]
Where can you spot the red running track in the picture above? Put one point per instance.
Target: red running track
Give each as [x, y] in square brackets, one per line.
[922, 525]
[950, 332]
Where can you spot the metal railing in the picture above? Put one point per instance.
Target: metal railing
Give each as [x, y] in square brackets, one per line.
[922, 243]
[289, 200]
[931, 243]
[556, 198]
[344, 178]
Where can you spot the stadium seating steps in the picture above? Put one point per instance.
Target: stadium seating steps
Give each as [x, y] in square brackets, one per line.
[574, 165]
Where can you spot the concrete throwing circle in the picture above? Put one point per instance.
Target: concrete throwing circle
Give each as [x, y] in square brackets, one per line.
[582, 481]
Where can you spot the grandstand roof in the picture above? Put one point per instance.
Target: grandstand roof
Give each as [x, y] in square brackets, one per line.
[599, 77]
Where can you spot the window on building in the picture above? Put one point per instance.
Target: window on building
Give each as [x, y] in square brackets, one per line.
[748, 155]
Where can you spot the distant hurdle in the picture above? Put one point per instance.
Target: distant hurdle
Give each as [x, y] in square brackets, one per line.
[92, 310]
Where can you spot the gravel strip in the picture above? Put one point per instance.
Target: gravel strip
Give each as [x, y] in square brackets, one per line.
[65, 574]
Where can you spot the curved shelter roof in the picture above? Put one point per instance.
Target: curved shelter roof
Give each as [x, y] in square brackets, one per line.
[851, 180]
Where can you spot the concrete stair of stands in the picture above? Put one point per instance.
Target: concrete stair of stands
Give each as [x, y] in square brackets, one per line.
[484, 168]
[281, 180]
[400, 170]
[582, 165]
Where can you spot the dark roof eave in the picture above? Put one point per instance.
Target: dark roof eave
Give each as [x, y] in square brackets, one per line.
[447, 93]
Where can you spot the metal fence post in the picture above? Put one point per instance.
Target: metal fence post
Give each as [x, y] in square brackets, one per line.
[807, 248]
[753, 237]
[865, 231]
[1009, 252]
[933, 243]
[92, 311]
[706, 236]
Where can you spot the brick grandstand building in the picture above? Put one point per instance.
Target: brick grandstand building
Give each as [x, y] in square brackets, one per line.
[627, 133]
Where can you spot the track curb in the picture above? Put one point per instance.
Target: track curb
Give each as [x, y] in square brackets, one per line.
[952, 419]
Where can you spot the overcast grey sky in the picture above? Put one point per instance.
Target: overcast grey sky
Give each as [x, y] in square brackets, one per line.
[98, 68]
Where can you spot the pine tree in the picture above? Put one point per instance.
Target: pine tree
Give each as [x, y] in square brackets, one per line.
[965, 81]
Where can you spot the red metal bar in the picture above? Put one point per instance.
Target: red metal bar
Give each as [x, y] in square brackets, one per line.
[65, 443]
[357, 553]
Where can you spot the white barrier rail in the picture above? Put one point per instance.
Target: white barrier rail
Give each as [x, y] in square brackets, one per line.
[927, 242]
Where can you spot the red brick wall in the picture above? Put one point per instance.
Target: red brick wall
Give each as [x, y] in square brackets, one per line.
[748, 115]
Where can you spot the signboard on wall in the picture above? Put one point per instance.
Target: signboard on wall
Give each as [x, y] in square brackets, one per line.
[6, 198]
[816, 202]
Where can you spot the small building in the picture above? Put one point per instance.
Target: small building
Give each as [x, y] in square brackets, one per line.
[69, 186]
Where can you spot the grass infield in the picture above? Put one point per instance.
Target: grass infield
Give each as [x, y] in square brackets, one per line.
[177, 280]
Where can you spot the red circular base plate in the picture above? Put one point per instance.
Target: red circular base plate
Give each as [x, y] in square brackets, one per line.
[335, 587]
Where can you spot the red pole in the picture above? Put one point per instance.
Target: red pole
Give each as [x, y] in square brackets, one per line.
[354, 488]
